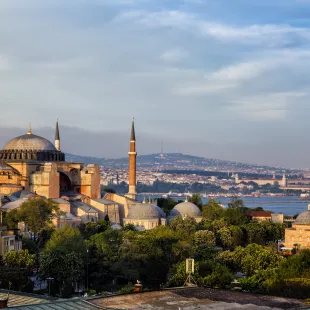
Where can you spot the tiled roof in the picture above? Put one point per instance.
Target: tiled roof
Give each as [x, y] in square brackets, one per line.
[105, 201]
[13, 204]
[84, 206]
[260, 213]
[60, 305]
[22, 299]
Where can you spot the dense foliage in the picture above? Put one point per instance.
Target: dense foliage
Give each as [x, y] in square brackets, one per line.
[225, 242]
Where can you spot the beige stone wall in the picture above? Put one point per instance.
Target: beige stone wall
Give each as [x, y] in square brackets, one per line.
[123, 201]
[46, 181]
[84, 216]
[298, 234]
[277, 218]
[147, 224]
[25, 168]
[112, 210]
[10, 189]
[59, 222]
[43, 178]
[260, 218]
[10, 179]
[90, 181]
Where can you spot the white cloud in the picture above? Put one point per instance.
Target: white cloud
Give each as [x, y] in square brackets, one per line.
[271, 106]
[271, 35]
[174, 55]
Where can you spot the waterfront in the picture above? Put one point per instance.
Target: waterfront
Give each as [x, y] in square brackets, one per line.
[285, 205]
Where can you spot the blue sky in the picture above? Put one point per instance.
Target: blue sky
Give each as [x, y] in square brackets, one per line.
[221, 78]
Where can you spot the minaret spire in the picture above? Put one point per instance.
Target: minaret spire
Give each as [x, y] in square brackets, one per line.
[133, 134]
[132, 192]
[57, 137]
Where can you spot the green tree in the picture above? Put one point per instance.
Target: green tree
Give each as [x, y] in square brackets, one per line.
[237, 203]
[218, 224]
[235, 216]
[93, 228]
[214, 274]
[205, 237]
[12, 218]
[225, 238]
[251, 259]
[254, 233]
[19, 259]
[186, 226]
[64, 259]
[179, 274]
[167, 204]
[196, 199]
[36, 213]
[212, 210]
[130, 226]
[237, 236]
[148, 256]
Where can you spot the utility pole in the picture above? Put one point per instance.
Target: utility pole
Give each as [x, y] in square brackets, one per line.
[87, 270]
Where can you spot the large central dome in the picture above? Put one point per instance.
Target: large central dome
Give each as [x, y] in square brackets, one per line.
[30, 147]
[29, 142]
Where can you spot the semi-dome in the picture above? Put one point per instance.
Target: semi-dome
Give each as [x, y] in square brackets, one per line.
[29, 142]
[144, 211]
[186, 209]
[303, 218]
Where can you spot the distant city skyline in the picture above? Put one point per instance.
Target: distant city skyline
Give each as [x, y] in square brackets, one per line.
[213, 78]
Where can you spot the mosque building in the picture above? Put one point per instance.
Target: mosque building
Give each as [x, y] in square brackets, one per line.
[31, 166]
[299, 234]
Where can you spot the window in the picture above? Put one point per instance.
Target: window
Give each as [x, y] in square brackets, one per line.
[11, 242]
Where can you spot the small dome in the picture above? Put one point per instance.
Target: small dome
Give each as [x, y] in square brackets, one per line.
[29, 142]
[185, 209]
[303, 218]
[144, 211]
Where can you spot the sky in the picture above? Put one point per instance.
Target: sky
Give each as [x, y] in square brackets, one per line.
[225, 79]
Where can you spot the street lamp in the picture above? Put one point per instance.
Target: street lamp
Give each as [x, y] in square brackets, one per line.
[87, 270]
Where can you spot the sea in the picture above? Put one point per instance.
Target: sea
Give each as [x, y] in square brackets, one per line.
[287, 205]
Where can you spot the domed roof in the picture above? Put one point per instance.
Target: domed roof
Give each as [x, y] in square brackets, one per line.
[303, 218]
[29, 142]
[186, 208]
[144, 211]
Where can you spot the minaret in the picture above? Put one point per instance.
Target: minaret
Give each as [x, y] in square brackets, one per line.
[57, 138]
[132, 193]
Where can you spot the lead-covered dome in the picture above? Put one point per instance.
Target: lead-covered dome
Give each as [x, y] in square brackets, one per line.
[144, 211]
[303, 218]
[29, 142]
[186, 209]
[30, 147]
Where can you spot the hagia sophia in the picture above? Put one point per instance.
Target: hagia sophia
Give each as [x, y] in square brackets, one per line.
[31, 166]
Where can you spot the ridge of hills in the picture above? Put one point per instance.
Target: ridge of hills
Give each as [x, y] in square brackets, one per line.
[175, 161]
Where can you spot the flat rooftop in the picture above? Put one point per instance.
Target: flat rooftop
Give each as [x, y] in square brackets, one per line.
[196, 298]
[172, 299]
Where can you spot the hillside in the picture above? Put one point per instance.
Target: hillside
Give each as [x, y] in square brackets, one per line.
[174, 161]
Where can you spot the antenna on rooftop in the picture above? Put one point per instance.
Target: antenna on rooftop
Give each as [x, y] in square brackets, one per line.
[161, 147]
